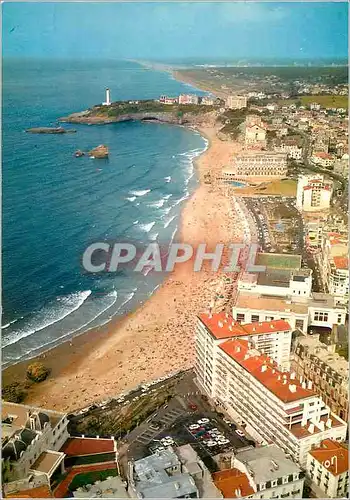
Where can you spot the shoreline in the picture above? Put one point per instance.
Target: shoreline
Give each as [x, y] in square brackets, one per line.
[143, 344]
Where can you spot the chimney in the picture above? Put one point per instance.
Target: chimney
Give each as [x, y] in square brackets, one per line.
[272, 326]
[220, 324]
[292, 376]
[321, 425]
[292, 388]
[230, 328]
[263, 368]
[303, 385]
[311, 428]
[238, 349]
[238, 493]
[301, 378]
[285, 381]
[309, 384]
[279, 377]
[210, 315]
[254, 329]
[273, 370]
[226, 315]
[329, 423]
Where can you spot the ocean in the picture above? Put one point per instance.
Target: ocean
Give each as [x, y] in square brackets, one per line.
[55, 205]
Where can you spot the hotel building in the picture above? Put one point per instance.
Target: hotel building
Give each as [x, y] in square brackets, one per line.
[328, 468]
[260, 164]
[313, 193]
[188, 99]
[327, 370]
[280, 408]
[319, 310]
[31, 438]
[236, 102]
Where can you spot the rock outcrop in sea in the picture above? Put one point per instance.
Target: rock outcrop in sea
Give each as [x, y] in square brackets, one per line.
[50, 130]
[100, 151]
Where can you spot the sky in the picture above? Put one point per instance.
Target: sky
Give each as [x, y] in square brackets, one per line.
[167, 31]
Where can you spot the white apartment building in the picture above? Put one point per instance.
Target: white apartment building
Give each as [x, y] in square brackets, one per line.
[280, 408]
[319, 310]
[314, 232]
[322, 159]
[335, 265]
[208, 101]
[261, 164]
[272, 337]
[31, 438]
[293, 151]
[314, 193]
[328, 468]
[278, 282]
[263, 472]
[236, 102]
[188, 99]
[164, 99]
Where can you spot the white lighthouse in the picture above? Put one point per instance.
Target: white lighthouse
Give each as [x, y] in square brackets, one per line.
[108, 98]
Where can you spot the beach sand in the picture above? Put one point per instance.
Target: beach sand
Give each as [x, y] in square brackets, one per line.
[159, 336]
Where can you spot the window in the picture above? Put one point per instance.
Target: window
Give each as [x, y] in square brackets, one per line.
[285, 480]
[321, 316]
[240, 317]
[262, 486]
[269, 318]
[339, 318]
[255, 318]
[274, 483]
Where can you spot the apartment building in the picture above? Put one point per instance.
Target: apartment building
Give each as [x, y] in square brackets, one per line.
[322, 159]
[164, 99]
[335, 265]
[188, 99]
[314, 193]
[328, 468]
[208, 101]
[261, 164]
[279, 407]
[236, 102]
[31, 438]
[314, 232]
[272, 337]
[329, 373]
[320, 310]
[261, 473]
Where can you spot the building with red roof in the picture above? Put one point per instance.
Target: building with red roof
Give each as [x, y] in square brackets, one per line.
[239, 367]
[328, 468]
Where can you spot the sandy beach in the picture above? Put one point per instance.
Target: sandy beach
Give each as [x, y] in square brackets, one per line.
[159, 336]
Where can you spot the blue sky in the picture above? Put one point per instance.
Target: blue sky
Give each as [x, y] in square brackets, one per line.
[175, 30]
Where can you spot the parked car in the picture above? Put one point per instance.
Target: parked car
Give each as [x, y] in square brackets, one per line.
[239, 432]
[192, 406]
[203, 421]
[194, 427]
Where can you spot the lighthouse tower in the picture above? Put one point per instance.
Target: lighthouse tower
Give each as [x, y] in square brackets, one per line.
[108, 98]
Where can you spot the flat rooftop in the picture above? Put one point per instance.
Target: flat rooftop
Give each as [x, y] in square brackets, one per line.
[261, 462]
[274, 277]
[17, 415]
[278, 260]
[47, 461]
[269, 303]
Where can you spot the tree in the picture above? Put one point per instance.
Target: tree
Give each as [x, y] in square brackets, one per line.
[37, 372]
[14, 392]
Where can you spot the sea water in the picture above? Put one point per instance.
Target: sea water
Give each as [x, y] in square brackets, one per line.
[55, 205]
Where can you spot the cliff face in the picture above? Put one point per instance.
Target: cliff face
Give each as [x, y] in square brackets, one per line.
[92, 117]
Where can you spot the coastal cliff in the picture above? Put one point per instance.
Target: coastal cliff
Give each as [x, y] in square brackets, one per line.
[190, 115]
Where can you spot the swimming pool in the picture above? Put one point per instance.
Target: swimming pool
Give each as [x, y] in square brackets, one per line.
[238, 184]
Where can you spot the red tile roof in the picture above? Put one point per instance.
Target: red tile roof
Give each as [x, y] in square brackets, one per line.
[233, 483]
[39, 492]
[223, 326]
[341, 262]
[87, 446]
[332, 455]
[265, 370]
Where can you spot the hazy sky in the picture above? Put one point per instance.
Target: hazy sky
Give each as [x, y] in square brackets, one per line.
[175, 30]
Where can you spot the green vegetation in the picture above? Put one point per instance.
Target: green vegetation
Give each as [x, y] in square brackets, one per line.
[343, 351]
[90, 459]
[119, 421]
[232, 120]
[85, 478]
[277, 261]
[326, 101]
[283, 187]
[14, 392]
[37, 372]
[125, 108]
[6, 470]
